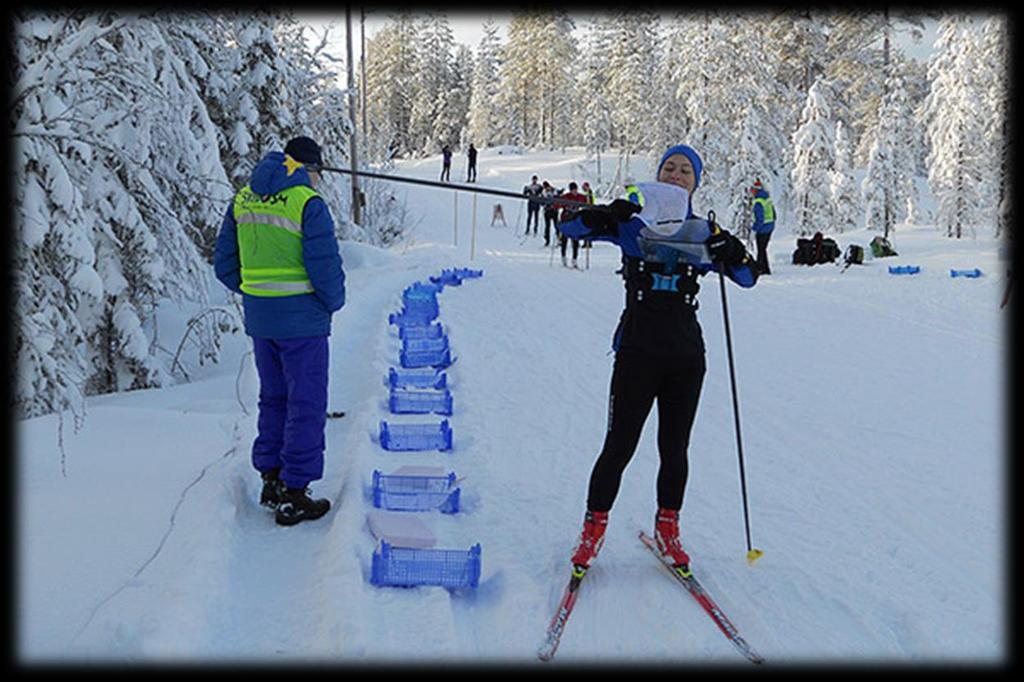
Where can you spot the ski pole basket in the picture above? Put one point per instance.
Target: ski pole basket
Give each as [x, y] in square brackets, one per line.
[396, 492]
[404, 401]
[409, 567]
[416, 437]
[417, 378]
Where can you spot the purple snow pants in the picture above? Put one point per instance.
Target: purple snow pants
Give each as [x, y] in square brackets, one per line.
[293, 408]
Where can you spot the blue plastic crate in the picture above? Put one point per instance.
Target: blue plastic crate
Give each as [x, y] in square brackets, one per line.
[965, 273]
[412, 318]
[466, 273]
[427, 358]
[424, 345]
[396, 492]
[421, 306]
[422, 290]
[421, 331]
[416, 437]
[405, 401]
[417, 378]
[446, 278]
[904, 269]
[409, 567]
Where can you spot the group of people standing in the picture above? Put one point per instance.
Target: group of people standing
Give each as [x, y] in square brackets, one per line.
[446, 163]
[543, 194]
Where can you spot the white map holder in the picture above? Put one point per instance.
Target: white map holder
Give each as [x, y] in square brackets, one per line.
[666, 225]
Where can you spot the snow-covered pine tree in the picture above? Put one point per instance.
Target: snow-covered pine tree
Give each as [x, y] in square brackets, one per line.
[557, 53]
[888, 184]
[518, 73]
[812, 161]
[631, 66]
[112, 140]
[994, 77]
[846, 209]
[432, 82]
[955, 120]
[483, 105]
[390, 59]
[594, 111]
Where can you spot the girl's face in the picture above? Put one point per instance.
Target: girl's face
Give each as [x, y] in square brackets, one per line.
[677, 170]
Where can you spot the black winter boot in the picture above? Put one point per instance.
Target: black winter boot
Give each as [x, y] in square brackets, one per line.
[273, 489]
[298, 504]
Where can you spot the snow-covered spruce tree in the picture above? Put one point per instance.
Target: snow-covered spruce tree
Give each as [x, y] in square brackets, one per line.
[846, 207]
[483, 106]
[812, 161]
[701, 71]
[433, 67]
[109, 131]
[631, 65]
[518, 74]
[390, 59]
[888, 184]
[556, 54]
[454, 101]
[594, 112]
[994, 77]
[955, 121]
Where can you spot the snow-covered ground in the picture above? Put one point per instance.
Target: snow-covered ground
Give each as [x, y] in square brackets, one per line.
[873, 415]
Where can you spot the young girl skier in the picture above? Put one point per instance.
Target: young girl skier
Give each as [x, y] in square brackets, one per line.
[659, 352]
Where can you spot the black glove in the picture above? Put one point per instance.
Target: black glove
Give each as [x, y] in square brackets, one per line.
[726, 248]
[604, 218]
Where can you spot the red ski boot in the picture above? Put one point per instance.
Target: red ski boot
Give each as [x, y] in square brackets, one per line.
[594, 524]
[666, 534]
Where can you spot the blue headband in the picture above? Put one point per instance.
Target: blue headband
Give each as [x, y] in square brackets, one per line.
[689, 153]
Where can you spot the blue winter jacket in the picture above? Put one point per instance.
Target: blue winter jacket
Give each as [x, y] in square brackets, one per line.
[287, 317]
[760, 226]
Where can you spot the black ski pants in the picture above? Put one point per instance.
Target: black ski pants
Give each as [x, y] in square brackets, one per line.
[638, 379]
[532, 213]
[762, 252]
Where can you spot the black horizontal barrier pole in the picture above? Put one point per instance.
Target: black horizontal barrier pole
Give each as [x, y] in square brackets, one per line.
[461, 188]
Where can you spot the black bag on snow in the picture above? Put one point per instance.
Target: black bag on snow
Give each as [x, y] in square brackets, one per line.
[817, 249]
[854, 255]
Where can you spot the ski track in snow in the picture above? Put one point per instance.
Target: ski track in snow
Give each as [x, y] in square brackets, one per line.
[878, 525]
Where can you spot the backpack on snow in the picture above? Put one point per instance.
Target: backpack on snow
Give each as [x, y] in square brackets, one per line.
[854, 255]
[880, 247]
[817, 249]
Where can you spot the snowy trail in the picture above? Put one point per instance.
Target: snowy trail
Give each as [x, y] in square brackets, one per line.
[872, 411]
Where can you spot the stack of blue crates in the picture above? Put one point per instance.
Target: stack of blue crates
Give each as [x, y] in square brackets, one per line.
[420, 386]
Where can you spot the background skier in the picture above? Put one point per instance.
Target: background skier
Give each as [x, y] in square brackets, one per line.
[764, 223]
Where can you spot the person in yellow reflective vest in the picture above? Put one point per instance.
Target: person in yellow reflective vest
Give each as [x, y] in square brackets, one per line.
[764, 223]
[277, 248]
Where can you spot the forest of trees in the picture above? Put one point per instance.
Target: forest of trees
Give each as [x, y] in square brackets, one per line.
[796, 98]
[132, 132]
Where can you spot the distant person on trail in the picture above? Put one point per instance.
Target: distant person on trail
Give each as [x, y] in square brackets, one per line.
[446, 163]
[550, 211]
[659, 354]
[568, 213]
[277, 248]
[633, 192]
[534, 190]
[471, 170]
[764, 223]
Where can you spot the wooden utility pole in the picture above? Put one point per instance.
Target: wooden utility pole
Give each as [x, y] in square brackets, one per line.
[356, 194]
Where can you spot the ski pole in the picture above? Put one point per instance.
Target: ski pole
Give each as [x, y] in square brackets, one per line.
[752, 554]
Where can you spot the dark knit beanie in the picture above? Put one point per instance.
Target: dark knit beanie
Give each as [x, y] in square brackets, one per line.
[304, 150]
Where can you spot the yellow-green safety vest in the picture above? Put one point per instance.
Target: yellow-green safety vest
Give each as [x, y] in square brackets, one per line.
[767, 207]
[270, 241]
[633, 189]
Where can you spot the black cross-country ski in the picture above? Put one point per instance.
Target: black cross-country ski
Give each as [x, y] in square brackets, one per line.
[689, 581]
[561, 617]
